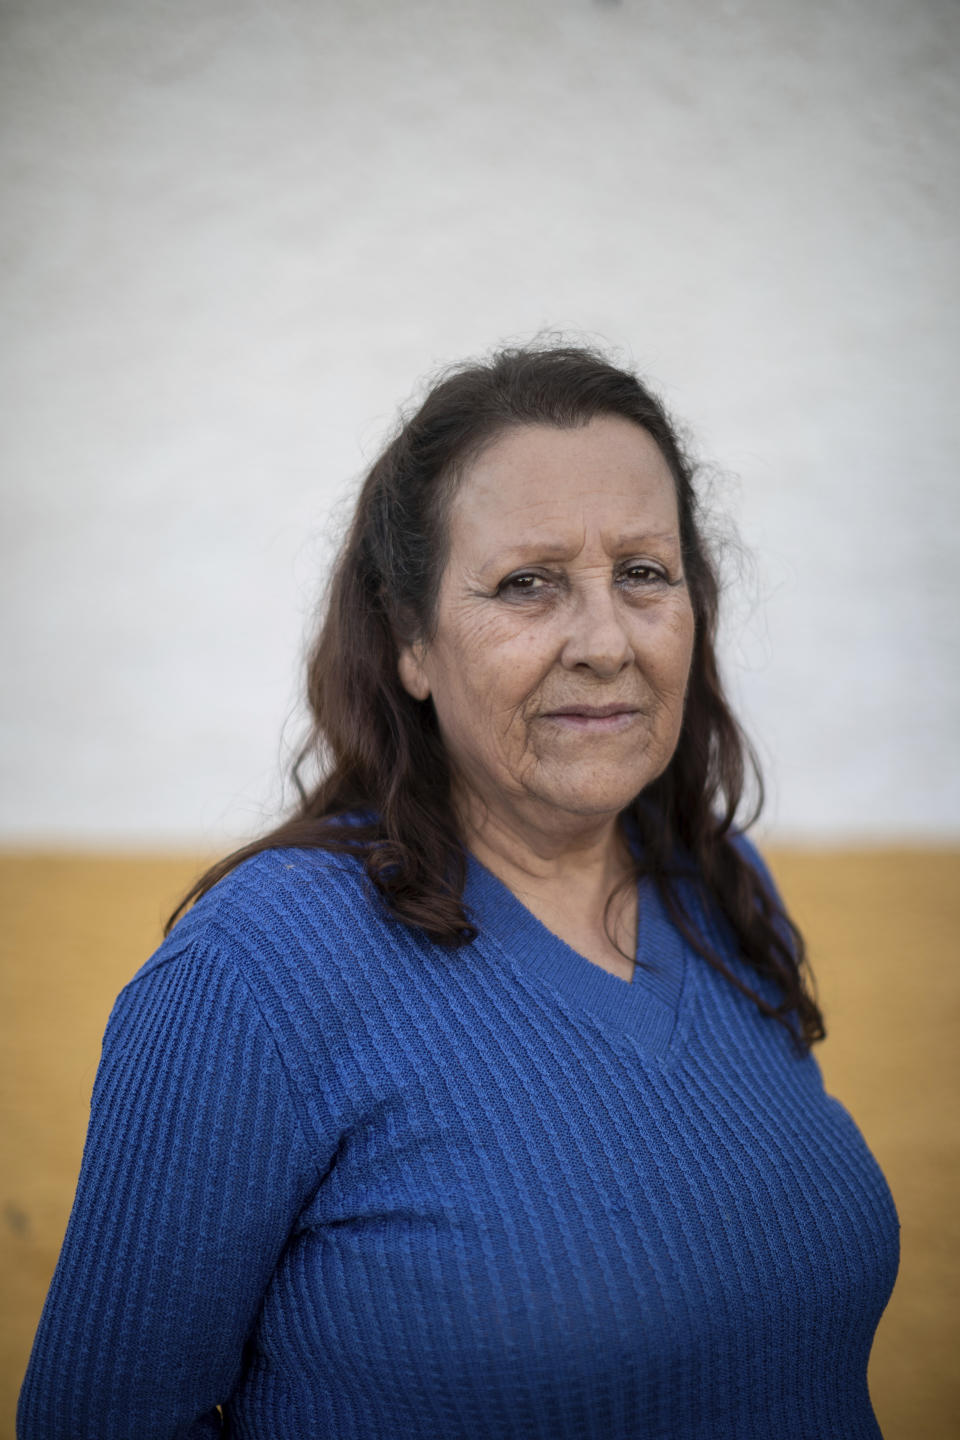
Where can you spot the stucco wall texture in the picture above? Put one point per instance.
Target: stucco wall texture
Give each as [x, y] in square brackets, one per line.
[235, 237]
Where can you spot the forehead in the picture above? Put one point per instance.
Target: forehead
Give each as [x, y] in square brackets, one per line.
[533, 479]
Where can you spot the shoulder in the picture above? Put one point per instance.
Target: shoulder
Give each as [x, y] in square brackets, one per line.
[685, 871]
[273, 906]
[252, 985]
[707, 906]
[748, 851]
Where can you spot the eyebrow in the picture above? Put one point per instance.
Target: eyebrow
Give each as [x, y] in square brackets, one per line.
[548, 549]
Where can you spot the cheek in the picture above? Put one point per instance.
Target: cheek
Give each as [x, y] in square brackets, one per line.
[468, 682]
[489, 667]
[675, 651]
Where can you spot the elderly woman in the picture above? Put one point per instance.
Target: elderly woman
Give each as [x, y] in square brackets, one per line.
[477, 1100]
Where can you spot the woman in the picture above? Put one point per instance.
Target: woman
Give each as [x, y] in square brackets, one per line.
[478, 1099]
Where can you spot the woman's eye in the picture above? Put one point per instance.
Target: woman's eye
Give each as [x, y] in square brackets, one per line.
[521, 584]
[644, 574]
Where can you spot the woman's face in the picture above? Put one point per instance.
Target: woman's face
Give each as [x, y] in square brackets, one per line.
[564, 633]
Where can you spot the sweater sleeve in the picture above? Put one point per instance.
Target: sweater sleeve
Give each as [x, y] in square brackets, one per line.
[194, 1170]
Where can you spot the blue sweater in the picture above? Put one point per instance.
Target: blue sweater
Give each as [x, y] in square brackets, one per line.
[350, 1185]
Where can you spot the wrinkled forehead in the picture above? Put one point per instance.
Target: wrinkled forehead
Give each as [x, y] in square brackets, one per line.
[542, 485]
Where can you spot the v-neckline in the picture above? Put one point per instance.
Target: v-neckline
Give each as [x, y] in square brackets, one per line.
[654, 1007]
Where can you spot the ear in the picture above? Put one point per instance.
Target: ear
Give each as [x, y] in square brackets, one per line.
[411, 672]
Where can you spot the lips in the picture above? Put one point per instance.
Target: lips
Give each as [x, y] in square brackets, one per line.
[593, 720]
[594, 712]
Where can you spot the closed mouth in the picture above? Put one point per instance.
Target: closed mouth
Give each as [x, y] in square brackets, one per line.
[595, 712]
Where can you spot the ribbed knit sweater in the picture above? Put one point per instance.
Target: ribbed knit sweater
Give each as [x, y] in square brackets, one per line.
[350, 1185]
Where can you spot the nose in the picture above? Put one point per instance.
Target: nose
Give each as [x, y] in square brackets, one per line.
[596, 635]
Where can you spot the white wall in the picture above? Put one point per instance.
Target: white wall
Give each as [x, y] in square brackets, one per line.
[235, 236]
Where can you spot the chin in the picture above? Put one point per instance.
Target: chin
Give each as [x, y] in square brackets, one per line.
[593, 802]
[599, 795]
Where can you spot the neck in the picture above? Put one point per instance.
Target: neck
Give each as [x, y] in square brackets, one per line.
[591, 851]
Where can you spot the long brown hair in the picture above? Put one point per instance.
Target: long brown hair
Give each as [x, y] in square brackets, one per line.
[384, 787]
